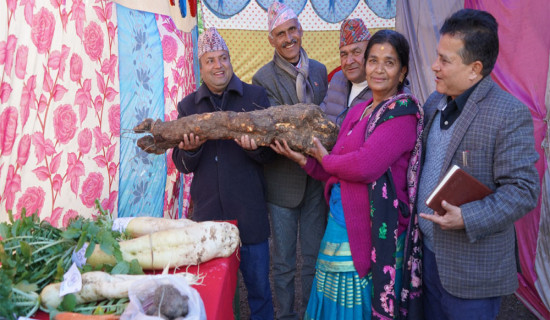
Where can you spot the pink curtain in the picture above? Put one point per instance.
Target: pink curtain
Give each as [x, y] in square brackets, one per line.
[60, 107]
[179, 81]
[522, 70]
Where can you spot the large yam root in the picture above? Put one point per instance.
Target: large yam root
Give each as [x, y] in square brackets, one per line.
[297, 124]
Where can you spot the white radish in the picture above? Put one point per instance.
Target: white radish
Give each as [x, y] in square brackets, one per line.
[98, 285]
[190, 245]
[140, 226]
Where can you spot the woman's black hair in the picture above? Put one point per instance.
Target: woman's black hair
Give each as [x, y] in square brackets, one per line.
[398, 42]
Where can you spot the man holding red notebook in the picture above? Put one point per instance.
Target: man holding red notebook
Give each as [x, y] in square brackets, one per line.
[469, 259]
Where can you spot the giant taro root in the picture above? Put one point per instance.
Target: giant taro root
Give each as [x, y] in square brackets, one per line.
[297, 124]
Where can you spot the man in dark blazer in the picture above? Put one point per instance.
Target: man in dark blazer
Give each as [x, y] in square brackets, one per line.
[228, 181]
[295, 200]
[469, 259]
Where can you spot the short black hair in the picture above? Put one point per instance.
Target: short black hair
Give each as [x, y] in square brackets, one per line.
[479, 32]
[398, 42]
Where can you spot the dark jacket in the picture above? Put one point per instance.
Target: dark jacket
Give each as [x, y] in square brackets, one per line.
[228, 181]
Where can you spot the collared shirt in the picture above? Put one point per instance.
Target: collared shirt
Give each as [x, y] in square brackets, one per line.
[298, 64]
[451, 111]
[217, 100]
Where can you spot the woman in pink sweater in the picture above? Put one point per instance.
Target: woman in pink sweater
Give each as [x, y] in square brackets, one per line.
[371, 179]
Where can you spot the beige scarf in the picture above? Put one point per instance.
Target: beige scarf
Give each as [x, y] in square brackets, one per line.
[304, 91]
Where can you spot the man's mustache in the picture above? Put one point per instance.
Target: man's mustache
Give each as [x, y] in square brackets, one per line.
[286, 44]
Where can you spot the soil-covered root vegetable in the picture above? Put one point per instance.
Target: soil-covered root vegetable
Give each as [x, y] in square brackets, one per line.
[140, 226]
[97, 286]
[297, 124]
[190, 245]
[169, 303]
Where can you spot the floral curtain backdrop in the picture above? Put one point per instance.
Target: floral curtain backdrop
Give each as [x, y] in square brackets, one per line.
[60, 110]
[179, 81]
[141, 95]
[330, 11]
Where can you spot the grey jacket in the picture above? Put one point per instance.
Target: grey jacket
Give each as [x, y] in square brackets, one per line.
[335, 104]
[497, 131]
[286, 181]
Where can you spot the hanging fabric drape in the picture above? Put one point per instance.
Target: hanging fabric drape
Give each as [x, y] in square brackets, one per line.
[60, 109]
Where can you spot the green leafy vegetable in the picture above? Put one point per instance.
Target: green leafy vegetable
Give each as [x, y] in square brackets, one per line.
[33, 254]
[68, 303]
[114, 306]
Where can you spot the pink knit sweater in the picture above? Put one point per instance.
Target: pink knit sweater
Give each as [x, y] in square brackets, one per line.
[354, 163]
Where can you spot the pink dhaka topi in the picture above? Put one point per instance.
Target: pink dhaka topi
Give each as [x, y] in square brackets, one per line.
[210, 40]
[278, 14]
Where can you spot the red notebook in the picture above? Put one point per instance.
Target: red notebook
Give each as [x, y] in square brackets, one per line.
[457, 188]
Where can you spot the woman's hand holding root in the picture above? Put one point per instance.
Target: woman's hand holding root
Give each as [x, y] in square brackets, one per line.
[282, 148]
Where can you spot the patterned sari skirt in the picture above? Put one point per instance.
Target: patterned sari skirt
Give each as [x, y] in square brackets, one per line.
[337, 291]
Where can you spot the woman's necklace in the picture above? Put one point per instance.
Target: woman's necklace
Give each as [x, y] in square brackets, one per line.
[363, 115]
[365, 112]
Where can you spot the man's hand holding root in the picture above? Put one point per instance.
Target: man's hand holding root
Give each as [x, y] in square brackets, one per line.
[247, 143]
[190, 142]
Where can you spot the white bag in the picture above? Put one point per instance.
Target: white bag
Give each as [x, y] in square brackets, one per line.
[141, 295]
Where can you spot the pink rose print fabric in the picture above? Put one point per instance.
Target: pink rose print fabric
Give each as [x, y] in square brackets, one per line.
[93, 41]
[32, 200]
[60, 108]
[64, 123]
[76, 67]
[91, 189]
[8, 119]
[179, 81]
[59, 102]
[43, 27]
